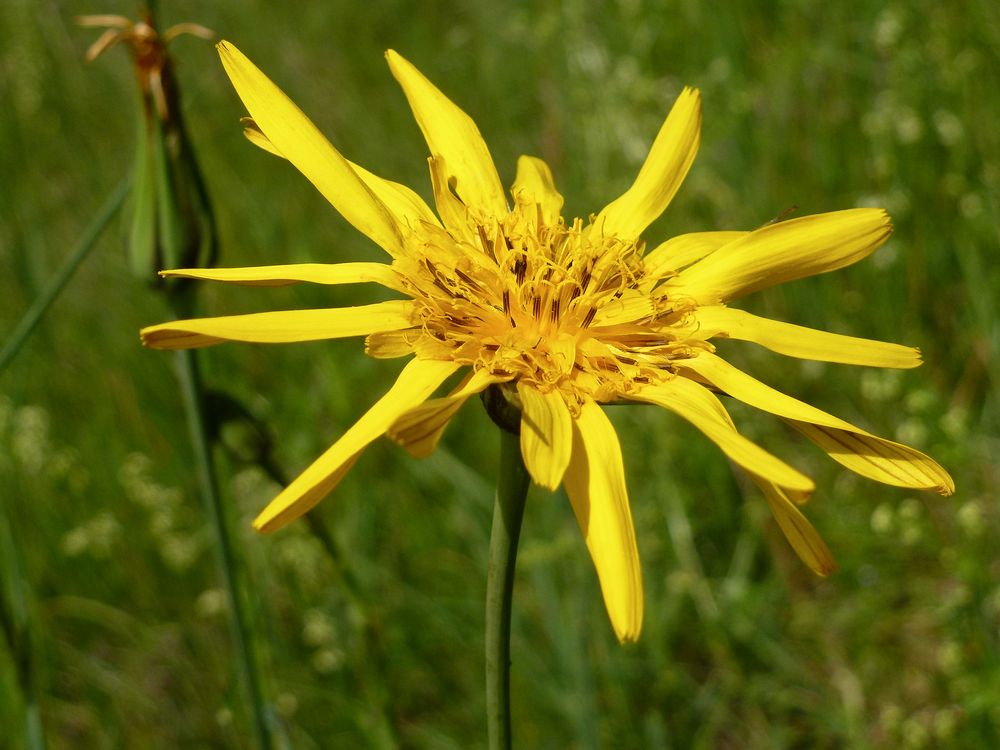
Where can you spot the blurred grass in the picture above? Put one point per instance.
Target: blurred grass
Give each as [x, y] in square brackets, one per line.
[820, 106]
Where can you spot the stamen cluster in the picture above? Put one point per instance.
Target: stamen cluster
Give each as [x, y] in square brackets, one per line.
[558, 306]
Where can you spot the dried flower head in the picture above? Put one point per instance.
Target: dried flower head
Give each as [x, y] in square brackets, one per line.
[147, 46]
[169, 215]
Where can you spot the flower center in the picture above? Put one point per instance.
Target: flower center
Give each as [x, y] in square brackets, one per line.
[559, 306]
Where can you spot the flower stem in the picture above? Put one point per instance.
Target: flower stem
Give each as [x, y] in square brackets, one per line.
[18, 627]
[512, 489]
[190, 380]
[371, 655]
[38, 308]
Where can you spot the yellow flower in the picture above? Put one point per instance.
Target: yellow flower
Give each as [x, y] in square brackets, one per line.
[563, 315]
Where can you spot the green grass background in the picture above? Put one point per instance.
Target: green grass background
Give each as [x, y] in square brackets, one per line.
[819, 105]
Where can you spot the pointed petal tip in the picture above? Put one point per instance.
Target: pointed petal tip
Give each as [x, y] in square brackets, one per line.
[630, 633]
[148, 337]
[266, 523]
[948, 488]
[886, 220]
[397, 63]
[547, 483]
[825, 569]
[691, 97]
[153, 337]
[880, 219]
[691, 91]
[169, 337]
[394, 59]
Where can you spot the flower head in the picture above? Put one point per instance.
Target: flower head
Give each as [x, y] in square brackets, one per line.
[561, 315]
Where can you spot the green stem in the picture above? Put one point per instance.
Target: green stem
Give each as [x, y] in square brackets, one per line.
[187, 367]
[38, 308]
[512, 489]
[15, 619]
[371, 655]
[18, 628]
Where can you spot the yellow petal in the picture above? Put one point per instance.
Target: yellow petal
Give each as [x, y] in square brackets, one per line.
[391, 344]
[295, 137]
[661, 175]
[534, 184]
[801, 534]
[595, 484]
[701, 408]
[419, 429]
[408, 208]
[416, 382]
[281, 327]
[253, 133]
[860, 451]
[632, 305]
[282, 275]
[454, 214]
[805, 343]
[546, 434]
[452, 134]
[879, 459]
[683, 250]
[784, 251]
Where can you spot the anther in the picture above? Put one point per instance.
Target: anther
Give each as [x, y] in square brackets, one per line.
[520, 268]
[467, 279]
[485, 241]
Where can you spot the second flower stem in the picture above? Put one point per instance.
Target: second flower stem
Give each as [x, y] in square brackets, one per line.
[190, 380]
[508, 510]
